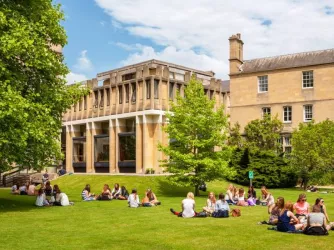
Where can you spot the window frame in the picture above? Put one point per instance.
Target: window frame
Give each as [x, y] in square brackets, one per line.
[259, 81]
[307, 87]
[266, 113]
[304, 113]
[287, 121]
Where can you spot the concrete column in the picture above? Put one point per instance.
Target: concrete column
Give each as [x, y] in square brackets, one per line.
[89, 148]
[147, 143]
[139, 144]
[112, 146]
[152, 94]
[69, 149]
[117, 130]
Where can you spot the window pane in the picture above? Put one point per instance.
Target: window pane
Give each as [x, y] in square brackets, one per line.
[148, 89]
[79, 151]
[134, 92]
[156, 89]
[308, 112]
[266, 111]
[308, 79]
[101, 149]
[120, 94]
[127, 148]
[171, 90]
[263, 83]
[287, 114]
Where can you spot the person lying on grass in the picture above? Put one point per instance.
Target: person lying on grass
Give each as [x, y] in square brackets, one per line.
[188, 207]
[274, 213]
[41, 200]
[133, 199]
[86, 194]
[210, 203]
[286, 218]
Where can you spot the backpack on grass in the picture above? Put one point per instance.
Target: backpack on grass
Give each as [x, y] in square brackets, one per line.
[220, 214]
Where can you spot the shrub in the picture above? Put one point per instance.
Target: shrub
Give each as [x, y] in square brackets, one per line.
[270, 169]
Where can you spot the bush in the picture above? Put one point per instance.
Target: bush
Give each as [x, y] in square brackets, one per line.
[149, 171]
[269, 169]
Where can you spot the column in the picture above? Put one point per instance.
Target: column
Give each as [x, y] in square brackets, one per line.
[112, 146]
[69, 149]
[139, 144]
[89, 148]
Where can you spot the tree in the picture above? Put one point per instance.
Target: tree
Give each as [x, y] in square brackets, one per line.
[312, 150]
[194, 130]
[33, 91]
[235, 138]
[264, 134]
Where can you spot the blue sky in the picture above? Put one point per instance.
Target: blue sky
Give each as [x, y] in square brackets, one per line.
[105, 34]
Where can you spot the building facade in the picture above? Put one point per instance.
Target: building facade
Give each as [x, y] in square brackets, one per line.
[117, 127]
[298, 88]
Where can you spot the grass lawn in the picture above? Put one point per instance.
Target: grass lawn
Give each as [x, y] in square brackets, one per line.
[112, 225]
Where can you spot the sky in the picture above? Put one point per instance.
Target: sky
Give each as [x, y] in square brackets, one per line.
[107, 34]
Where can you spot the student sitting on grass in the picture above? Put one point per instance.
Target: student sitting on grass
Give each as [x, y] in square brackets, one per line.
[133, 199]
[31, 189]
[229, 197]
[86, 195]
[251, 198]
[319, 205]
[145, 202]
[48, 189]
[275, 211]
[152, 198]
[124, 195]
[116, 191]
[188, 207]
[241, 198]
[23, 189]
[15, 189]
[62, 199]
[302, 208]
[41, 200]
[222, 208]
[267, 199]
[316, 223]
[105, 194]
[210, 203]
[285, 217]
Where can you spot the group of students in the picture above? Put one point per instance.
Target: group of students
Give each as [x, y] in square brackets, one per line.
[299, 217]
[121, 193]
[46, 195]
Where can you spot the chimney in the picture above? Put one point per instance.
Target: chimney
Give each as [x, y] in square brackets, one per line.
[236, 53]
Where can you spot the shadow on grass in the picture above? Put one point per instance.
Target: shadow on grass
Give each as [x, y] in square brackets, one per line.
[164, 188]
[15, 204]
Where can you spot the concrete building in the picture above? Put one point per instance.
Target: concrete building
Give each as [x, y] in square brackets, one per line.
[116, 129]
[296, 87]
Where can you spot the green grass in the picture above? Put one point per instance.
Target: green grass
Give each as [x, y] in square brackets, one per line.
[112, 225]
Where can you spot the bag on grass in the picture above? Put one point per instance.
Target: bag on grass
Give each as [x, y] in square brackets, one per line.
[220, 214]
[319, 231]
[236, 212]
[201, 214]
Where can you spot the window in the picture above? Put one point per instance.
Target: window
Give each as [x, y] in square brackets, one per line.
[79, 150]
[127, 93]
[171, 75]
[96, 99]
[288, 150]
[120, 94]
[171, 90]
[108, 96]
[308, 113]
[101, 148]
[266, 111]
[307, 79]
[287, 114]
[179, 77]
[134, 92]
[127, 77]
[211, 94]
[102, 98]
[287, 141]
[263, 83]
[156, 89]
[85, 102]
[148, 89]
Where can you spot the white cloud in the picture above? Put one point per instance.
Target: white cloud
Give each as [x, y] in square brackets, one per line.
[128, 47]
[83, 63]
[205, 26]
[73, 77]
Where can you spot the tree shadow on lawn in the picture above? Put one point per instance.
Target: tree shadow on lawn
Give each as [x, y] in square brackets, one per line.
[16, 204]
[164, 188]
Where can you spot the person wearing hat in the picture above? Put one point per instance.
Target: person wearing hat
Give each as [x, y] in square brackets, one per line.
[133, 199]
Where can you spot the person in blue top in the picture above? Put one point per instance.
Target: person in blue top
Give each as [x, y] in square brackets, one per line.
[287, 221]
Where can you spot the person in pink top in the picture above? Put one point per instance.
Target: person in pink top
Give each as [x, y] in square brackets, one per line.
[301, 208]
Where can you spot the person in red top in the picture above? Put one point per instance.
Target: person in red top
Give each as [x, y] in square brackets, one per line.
[301, 208]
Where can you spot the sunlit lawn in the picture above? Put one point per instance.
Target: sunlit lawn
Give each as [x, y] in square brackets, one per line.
[112, 225]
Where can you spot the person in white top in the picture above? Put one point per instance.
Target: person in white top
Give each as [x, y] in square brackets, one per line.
[210, 203]
[133, 199]
[241, 198]
[188, 207]
[15, 189]
[62, 199]
[229, 197]
[41, 200]
[116, 191]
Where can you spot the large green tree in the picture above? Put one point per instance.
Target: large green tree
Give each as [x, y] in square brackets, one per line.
[313, 150]
[197, 151]
[33, 91]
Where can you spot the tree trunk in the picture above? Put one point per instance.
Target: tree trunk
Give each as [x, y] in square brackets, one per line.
[305, 183]
[196, 190]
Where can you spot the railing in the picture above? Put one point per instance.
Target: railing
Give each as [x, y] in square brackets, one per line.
[8, 178]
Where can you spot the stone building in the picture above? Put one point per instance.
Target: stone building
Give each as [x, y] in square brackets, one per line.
[116, 129]
[297, 87]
